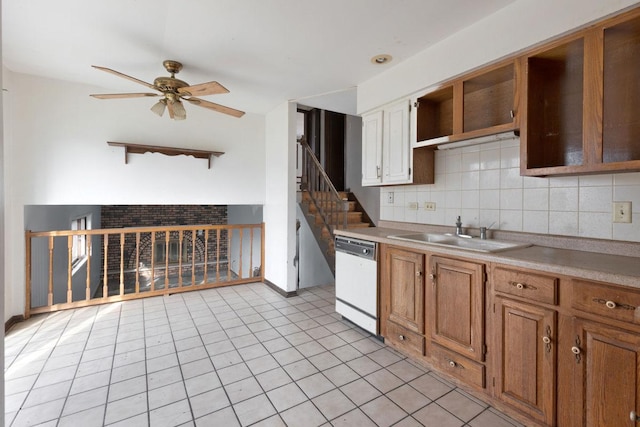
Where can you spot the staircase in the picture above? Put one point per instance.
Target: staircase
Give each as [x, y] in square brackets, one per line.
[325, 208]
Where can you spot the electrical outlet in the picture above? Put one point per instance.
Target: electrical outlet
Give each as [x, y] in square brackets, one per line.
[622, 212]
[390, 197]
[413, 206]
[429, 206]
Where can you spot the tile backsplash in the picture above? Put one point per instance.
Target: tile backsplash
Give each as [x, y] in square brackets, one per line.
[483, 185]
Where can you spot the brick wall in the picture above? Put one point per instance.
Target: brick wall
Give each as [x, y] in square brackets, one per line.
[123, 216]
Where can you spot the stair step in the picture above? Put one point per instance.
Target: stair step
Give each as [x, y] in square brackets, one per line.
[351, 206]
[306, 195]
[352, 217]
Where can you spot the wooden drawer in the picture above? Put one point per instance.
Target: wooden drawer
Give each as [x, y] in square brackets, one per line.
[404, 339]
[614, 302]
[527, 285]
[458, 366]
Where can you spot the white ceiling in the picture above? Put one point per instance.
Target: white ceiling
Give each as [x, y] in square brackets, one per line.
[263, 51]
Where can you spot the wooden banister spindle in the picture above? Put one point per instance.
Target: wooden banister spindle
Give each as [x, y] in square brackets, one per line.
[166, 260]
[105, 285]
[69, 268]
[121, 264]
[240, 262]
[137, 262]
[153, 260]
[193, 256]
[218, 255]
[50, 295]
[180, 237]
[88, 242]
[205, 277]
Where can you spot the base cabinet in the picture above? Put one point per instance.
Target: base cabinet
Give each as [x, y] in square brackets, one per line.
[526, 345]
[401, 297]
[605, 379]
[456, 306]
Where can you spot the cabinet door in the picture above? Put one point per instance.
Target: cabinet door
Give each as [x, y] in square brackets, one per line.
[525, 358]
[606, 376]
[456, 304]
[372, 148]
[396, 150]
[405, 289]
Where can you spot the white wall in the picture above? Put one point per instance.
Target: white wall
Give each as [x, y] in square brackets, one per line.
[313, 269]
[512, 28]
[56, 153]
[280, 196]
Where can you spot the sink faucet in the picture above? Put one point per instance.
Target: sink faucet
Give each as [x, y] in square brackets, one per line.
[458, 226]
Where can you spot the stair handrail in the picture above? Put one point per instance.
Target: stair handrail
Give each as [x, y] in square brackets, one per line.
[332, 208]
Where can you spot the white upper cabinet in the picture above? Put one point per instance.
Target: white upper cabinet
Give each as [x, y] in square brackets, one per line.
[386, 146]
[372, 148]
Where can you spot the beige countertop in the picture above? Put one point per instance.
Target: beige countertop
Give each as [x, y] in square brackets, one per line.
[603, 267]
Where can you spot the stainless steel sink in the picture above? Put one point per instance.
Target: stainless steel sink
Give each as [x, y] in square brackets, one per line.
[451, 240]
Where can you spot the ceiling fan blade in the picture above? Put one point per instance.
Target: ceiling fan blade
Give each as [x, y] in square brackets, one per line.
[124, 76]
[122, 95]
[216, 107]
[172, 113]
[209, 88]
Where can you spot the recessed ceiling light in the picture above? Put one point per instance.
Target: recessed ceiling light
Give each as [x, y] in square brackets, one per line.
[381, 59]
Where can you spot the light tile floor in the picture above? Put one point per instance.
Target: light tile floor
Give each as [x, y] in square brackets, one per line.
[241, 355]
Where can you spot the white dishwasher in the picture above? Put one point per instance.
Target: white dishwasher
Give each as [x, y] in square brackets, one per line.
[357, 282]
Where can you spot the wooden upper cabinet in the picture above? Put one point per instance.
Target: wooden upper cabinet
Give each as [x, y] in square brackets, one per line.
[580, 101]
[456, 306]
[479, 104]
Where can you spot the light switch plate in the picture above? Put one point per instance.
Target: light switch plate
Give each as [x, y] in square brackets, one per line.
[622, 212]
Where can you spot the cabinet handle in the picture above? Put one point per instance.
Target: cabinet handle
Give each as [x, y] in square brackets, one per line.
[452, 363]
[520, 286]
[418, 273]
[633, 416]
[546, 340]
[612, 304]
[377, 171]
[576, 350]
[401, 337]
[512, 113]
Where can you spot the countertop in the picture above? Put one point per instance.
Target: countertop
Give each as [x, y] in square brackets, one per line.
[602, 267]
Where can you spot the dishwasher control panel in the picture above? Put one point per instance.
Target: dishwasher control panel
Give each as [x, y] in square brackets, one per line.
[357, 247]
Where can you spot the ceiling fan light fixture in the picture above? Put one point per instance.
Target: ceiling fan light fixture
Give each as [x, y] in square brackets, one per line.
[159, 107]
[179, 112]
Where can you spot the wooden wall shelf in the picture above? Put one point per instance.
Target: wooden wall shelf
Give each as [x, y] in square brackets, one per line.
[169, 151]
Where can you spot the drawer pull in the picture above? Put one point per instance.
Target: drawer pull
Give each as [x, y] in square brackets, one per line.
[402, 337]
[576, 350]
[418, 273]
[546, 340]
[520, 286]
[453, 363]
[633, 416]
[612, 304]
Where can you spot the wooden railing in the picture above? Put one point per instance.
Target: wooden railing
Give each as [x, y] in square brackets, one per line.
[127, 263]
[332, 207]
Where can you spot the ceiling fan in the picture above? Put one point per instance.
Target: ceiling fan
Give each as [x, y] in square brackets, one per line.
[173, 91]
